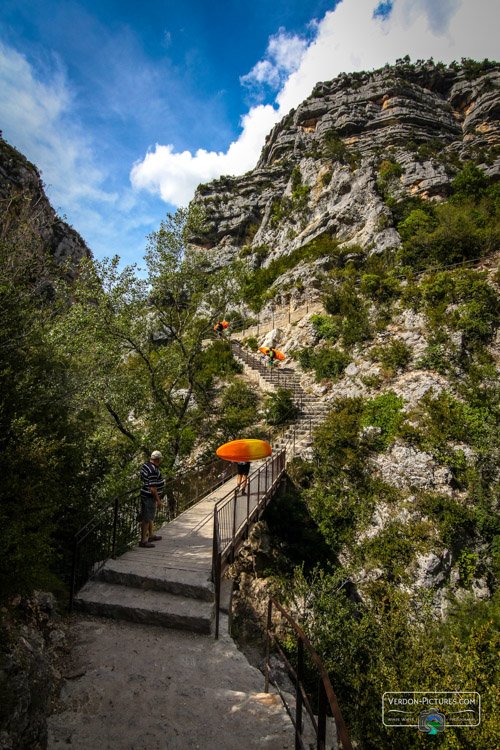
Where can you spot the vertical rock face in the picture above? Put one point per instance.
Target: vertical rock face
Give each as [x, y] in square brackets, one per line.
[321, 167]
[21, 188]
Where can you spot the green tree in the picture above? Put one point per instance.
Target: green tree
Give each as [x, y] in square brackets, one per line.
[141, 341]
[46, 469]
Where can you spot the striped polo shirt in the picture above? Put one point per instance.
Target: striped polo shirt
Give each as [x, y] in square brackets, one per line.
[151, 477]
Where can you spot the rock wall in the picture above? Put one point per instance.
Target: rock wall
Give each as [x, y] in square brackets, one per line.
[34, 647]
[22, 197]
[427, 118]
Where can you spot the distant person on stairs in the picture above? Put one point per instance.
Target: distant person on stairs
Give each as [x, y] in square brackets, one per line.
[152, 484]
[272, 357]
[219, 329]
[243, 470]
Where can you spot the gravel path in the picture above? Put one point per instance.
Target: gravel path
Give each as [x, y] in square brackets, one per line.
[146, 687]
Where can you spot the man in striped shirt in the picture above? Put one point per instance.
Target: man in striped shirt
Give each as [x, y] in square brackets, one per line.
[152, 484]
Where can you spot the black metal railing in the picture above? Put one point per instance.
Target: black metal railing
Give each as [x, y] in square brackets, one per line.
[235, 513]
[326, 695]
[116, 526]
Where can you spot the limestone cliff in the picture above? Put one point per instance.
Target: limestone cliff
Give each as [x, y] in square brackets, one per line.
[362, 154]
[323, 169]
[22, 192]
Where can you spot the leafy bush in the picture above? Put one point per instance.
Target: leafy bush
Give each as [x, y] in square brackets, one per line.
[390, 172]
[448, 233]
[329, 364]
[454, 520]
[379, 287]
[345, 302]
[393, 356]
[326, 327]
[217, 359]
[239, 410]
[279, 407]
[251, 342]
[384, 411]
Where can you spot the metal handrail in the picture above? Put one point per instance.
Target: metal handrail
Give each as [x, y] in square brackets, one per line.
[232, 520]
[115, 526]
[326, 693]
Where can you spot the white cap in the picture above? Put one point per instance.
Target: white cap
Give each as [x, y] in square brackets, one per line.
[156, 454]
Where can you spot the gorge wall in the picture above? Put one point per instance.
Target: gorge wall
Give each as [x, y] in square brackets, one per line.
[23, 199]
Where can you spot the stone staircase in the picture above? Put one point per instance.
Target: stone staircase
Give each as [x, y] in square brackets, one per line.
[169, 585]
[298, 437]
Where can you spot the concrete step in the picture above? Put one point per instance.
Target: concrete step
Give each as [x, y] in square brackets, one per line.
[143, 573]
[145, 606]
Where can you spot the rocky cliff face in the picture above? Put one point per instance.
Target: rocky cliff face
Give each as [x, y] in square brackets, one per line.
[22, 195]
[338, 168]
[323, 169]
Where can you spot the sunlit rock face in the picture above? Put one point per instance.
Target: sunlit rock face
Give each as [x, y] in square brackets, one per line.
[22, 199]
[428, 119]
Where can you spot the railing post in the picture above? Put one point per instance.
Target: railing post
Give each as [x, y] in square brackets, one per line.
[258, 491]
[115, 523]
[298, 689]
[322, 704]
[216, 568]
[234, 522]
[248, 504]
[268, 642]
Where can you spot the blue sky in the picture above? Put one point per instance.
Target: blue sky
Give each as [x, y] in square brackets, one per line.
[126, 106]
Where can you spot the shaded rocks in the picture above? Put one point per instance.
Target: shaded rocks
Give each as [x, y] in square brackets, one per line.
[35, 644]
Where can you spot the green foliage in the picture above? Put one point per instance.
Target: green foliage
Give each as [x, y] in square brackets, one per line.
[335, 149]
[379, 288]
[43, 433]
[435, 357]
[385, 412]
[329, 363]
[257, 283]
[467, 227]
[394, 356]
[470, 183]
[217, 360]
[344, 301]
[467, 564]
[326, 327]
[294, 533]
[237, 322]
[239, 410]
[251, 342]
[390, 172]
[453, 519]
[393, 645]
[279, 407]
[395, 546]
[474, 69]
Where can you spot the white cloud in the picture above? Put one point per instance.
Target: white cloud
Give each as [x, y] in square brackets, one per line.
[283, 55]
[36, 118]
[175, 175]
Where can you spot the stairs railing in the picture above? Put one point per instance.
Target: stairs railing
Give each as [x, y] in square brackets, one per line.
[116, 526]
[236, 513]
[326, 694]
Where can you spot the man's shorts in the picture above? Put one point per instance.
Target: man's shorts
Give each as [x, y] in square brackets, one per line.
[148, 509]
